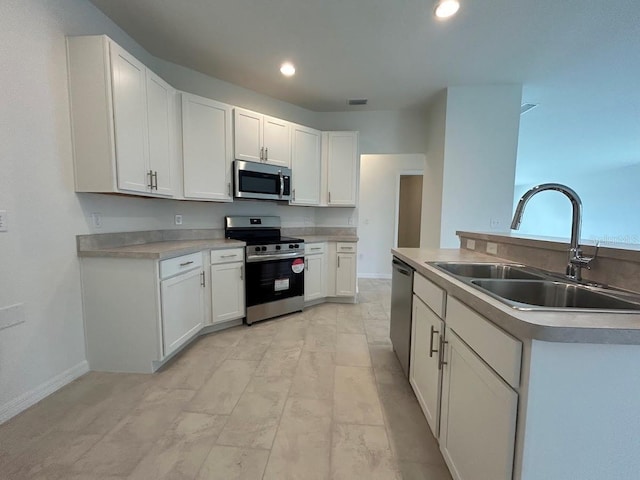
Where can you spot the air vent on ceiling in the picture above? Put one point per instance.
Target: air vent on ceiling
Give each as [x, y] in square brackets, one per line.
[525, 107]
[357, 101]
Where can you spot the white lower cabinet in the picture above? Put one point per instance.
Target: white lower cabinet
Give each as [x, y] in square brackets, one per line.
[227, 285]
[424, 369]
[182, 300]
[478, 422]
[315, 272]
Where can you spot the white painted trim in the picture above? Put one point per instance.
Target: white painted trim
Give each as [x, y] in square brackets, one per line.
[379, 276]
[28, 399]
[395, 230]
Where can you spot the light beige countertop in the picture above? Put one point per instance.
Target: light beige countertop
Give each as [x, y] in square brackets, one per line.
[552, 326]
[161, 250]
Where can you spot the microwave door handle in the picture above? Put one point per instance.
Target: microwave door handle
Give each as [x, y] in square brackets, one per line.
[281, 183]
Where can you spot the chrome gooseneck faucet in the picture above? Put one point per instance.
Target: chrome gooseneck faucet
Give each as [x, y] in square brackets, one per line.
[576, 260]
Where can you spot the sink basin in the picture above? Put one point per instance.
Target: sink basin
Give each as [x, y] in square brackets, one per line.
[524, 294]
[489, 270]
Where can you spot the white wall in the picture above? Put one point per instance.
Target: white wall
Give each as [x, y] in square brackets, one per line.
[433, 173]
[481, 142]
[377, 211]
[610, 200]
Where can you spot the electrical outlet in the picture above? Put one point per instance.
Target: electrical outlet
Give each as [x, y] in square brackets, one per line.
[471, 244]
[178, 219]
[492, 248]
[4, 227]
[96, 220]
[350, 221]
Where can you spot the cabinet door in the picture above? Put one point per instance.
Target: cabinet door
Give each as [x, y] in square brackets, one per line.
[346, 275]
[227, 291]
[130, 121]
[424, 371]
[161, 122]
[207, 156]
[247, 134]
[182, 309]
[277, 141]
[342, 161]
[478, 424]
[305, 165]
[314, 277]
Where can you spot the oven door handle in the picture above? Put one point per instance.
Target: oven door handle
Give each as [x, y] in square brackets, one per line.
[279, 256]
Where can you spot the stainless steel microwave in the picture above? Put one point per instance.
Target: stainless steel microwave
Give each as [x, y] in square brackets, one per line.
[261, 181]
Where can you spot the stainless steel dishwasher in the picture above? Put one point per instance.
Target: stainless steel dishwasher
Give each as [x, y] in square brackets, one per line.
[401, 308]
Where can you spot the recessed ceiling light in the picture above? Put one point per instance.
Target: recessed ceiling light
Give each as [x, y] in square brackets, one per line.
[287, 69]
[446, 8]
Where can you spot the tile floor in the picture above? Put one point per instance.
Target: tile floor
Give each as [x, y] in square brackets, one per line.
[316, 395]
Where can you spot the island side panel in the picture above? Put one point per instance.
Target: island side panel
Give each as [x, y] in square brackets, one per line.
[121, 314]
[583, 412]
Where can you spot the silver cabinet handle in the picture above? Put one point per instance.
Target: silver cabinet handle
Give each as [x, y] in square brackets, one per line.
[202, 282]
[229, 256]
[338, 261]
[266, 154]
[229, 188]
[316, 248]
[241, 272]
[155, 176]
[294, 194]
[441, 362]
[306, 264]
[431, 349]
[186, 263]
[329, 201]
[261, 154]
[150, 184]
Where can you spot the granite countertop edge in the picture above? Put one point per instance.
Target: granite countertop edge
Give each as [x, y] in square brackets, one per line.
[162, 250]
[549, 326]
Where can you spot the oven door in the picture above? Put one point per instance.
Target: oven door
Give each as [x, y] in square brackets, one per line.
[257, 180]
[272, 280]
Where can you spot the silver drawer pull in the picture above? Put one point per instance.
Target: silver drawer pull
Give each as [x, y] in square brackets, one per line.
[229, 256]
[317, 248]
[186, 263]
[441, 362]
[431, 349]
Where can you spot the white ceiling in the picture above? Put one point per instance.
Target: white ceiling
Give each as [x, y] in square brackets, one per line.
[579, 59]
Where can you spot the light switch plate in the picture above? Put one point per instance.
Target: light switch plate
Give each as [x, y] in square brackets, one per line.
[178, 219]
[11, 315]
[96, 220]
[471, 244]
[4, 227]
[492, 248]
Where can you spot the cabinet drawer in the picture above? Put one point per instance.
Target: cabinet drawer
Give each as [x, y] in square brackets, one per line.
[346, 247]
[430, 294]
[184, 263]
[313, 248]
[500, 350]
[227, 255]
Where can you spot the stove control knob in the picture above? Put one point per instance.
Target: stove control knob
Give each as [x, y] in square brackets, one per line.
[264, 249]
[278, 247]
[257, 249]
[291, 246]
[296, 246]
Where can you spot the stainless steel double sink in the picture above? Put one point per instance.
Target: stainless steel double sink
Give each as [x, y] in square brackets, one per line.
[528, 288]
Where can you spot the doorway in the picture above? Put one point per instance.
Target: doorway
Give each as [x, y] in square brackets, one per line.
[408, 210]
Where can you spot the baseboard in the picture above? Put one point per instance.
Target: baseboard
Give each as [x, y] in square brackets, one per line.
[26, 400]
[378, 276]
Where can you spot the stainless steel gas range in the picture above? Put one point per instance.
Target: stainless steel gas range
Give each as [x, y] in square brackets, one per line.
[274, 280]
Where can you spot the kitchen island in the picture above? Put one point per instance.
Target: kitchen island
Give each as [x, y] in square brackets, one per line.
[520, 394]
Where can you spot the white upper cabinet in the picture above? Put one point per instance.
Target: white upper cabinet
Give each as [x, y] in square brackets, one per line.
[207, 148]
[123, 121]
[340, 154]
[305, 165]
[161, 113]
[260, 138]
